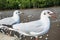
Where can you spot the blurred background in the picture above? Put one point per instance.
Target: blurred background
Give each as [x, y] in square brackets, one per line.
[27, 4]
[32, 10]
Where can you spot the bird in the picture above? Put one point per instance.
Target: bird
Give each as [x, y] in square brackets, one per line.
[35, 28]
[9, 21]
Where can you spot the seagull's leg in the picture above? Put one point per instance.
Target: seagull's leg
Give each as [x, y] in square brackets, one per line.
[36, 37]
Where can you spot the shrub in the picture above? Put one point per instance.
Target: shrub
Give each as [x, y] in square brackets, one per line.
[22, 4]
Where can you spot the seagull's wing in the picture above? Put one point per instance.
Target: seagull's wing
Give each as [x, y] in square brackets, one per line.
[34, 26]
[7, 21]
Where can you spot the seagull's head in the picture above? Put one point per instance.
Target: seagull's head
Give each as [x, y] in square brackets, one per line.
[48, 13]
[17, 12]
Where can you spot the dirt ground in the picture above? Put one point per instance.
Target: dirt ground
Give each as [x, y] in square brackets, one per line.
[54, 32]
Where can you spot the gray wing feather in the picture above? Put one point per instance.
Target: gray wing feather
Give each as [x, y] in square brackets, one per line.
[7, 21]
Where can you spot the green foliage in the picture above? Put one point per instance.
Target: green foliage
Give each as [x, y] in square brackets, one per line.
[25, 4]
[22, 4]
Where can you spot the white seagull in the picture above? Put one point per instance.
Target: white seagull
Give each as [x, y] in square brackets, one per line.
[11, 20]
[35, 28]
[15, 19]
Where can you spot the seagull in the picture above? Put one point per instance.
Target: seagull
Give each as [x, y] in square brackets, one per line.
[35, 28]
[9, 21]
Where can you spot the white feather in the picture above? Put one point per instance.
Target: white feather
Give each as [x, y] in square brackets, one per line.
[11, 20]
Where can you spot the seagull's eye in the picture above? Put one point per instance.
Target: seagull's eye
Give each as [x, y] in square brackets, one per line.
[48, 12]
[18, 12]
[44, 13]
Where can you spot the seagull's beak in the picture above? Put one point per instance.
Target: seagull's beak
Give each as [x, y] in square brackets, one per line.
[20, 12]
[53, 15]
